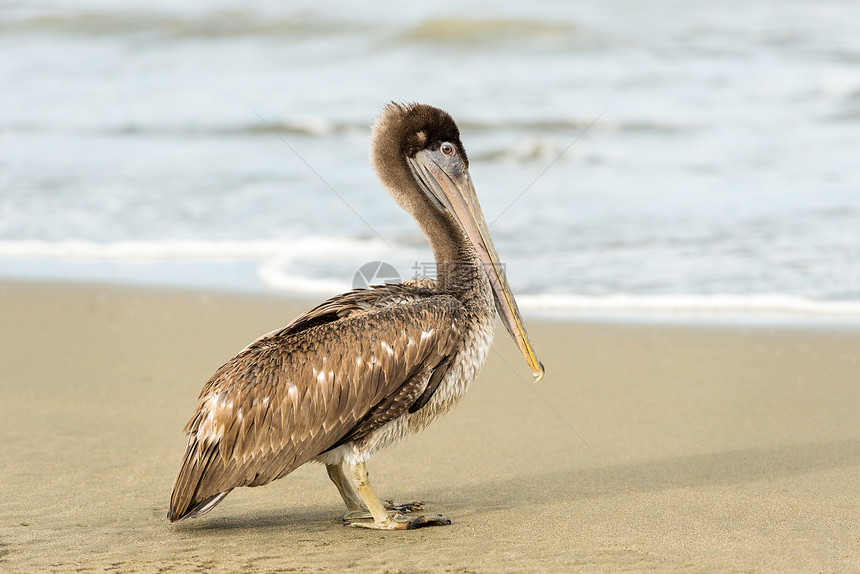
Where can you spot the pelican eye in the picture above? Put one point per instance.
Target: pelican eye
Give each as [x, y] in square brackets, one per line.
[447, 149]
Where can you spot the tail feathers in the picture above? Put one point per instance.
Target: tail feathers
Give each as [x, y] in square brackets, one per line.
[196, 490]
[198, 509]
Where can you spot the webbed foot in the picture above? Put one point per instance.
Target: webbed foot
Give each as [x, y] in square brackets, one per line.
[390, 507]
[399, 522]
[403, 508]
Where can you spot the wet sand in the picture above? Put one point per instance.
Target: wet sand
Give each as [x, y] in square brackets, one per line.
[649, 446]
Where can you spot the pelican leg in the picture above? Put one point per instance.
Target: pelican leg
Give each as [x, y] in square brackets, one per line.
[382, 520]
[354, 506]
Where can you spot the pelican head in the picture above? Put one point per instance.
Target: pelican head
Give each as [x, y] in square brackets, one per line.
[418, 155]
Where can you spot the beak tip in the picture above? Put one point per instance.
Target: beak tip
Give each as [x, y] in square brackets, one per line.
[540, 373]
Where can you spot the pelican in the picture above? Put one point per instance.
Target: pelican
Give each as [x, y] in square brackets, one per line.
[367, 368]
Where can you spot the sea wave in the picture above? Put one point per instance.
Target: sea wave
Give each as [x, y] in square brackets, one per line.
[308, 246]
[531, 149]
[532, 130]
[483, 30]
[775, 303]
[562, 124]
[323, 266]
[307, 127]
[216, 24]
[311, 265]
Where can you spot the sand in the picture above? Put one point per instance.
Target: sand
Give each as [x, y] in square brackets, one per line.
[664, 446]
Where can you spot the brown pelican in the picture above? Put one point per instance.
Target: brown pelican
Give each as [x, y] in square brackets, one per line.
[369, 367]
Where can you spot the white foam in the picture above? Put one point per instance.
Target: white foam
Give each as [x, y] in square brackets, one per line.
[282, 265]
[305, 247]
[281, 275]
[685, 303]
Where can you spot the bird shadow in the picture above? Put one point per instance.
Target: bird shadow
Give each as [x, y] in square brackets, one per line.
[726, 468]
[319, 518]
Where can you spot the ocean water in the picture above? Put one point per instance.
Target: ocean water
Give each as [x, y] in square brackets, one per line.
[629, 155]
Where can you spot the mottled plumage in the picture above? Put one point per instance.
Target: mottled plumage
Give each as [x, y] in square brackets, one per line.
[365, 368]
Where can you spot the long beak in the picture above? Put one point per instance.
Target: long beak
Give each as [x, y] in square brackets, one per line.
[451, 186]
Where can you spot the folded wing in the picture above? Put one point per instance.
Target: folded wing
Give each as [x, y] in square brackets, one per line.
[330, 377]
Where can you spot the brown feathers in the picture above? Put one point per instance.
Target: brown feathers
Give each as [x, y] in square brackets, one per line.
[347, 367]
[413, 127]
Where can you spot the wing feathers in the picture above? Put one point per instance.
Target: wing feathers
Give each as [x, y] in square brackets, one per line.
[294, 394]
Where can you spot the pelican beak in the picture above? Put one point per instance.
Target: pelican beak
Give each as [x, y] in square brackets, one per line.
[447, 182]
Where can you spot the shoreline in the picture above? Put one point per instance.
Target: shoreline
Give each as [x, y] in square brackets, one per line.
[665, 446]
[624, 309]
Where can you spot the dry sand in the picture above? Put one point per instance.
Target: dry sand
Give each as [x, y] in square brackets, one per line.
[712, 448]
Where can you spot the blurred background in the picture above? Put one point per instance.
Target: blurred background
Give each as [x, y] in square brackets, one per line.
[675, 154]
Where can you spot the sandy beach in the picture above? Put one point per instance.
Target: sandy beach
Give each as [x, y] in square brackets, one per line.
[660, 446]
